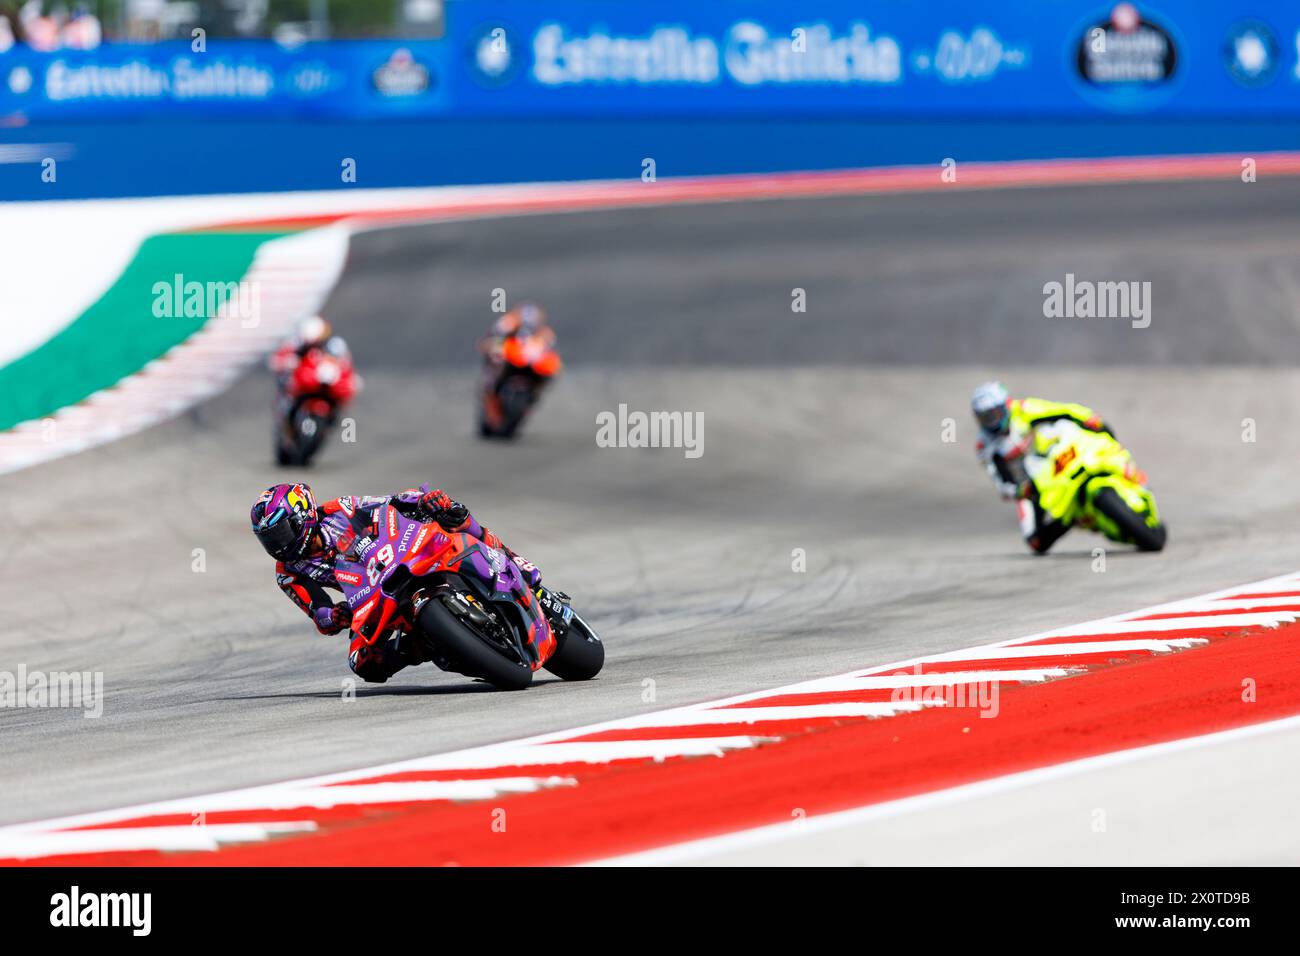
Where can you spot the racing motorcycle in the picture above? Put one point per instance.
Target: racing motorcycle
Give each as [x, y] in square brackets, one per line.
[466, 604]
[1089, 479]
[515, 379]
[308, 403]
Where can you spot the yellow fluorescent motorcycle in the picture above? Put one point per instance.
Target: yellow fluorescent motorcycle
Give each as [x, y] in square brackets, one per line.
[1089, 479]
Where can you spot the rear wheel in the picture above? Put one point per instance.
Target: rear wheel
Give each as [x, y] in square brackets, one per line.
[516, 397]
[469, 652]
[310, 432]
[580, 654]
[1132, 525]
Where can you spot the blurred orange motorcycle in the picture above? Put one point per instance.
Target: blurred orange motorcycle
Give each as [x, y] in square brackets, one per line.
[520, 359]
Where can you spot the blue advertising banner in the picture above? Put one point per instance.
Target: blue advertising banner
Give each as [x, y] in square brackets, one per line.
[829, 56]
[585, 58]
[248, 78]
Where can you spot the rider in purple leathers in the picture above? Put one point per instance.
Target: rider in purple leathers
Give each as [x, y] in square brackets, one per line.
[305, 538]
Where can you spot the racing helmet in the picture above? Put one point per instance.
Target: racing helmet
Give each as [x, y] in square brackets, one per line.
[989, 404]
[531, 318]
[313, 330]
[284, 519]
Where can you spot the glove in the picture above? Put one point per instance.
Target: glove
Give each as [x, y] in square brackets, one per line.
[331, 619]
[439, 506]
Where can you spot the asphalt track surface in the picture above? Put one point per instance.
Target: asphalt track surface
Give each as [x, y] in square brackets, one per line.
[822, 431]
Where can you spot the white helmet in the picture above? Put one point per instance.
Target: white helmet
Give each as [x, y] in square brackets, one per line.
[989, 406]
[313, 330]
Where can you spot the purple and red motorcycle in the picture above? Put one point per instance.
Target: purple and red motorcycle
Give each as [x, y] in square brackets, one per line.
[465, 603]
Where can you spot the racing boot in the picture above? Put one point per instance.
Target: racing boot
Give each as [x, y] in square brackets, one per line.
[375, 663]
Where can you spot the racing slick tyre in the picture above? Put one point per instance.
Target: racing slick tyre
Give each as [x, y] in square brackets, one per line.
[516, 399]
[1130, 523]
[310, 432]
[470, 653]
[579, 654]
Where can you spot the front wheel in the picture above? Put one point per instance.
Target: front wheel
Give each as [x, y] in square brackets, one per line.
[469, 652]
[1133, 526]
[579, 655]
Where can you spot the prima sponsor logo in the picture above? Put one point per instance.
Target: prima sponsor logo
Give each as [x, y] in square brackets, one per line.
[61, 689]
[1084, 299]
[74, 908]
[634, 429]
[191, 299]
[980, 695]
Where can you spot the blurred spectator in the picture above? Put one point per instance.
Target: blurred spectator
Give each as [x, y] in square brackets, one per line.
[40, 31]
[49, 25]
[44, 30]
[82, 30]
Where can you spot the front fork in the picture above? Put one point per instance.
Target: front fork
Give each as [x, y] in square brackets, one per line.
[555, 605]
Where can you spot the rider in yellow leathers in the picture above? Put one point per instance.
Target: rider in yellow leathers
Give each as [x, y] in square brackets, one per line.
[1007, 434]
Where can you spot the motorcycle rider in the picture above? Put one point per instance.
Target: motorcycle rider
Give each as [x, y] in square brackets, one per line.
[524, 321]
[1006, 434]
[305, 539]
[312, 334]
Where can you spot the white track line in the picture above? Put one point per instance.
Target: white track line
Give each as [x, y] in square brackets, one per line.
[174, 838]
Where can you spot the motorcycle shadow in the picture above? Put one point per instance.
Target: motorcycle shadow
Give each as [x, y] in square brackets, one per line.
[395, 690]
[1121, 551]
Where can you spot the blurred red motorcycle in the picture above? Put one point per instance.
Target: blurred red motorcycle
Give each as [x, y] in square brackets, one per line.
[310, 397]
